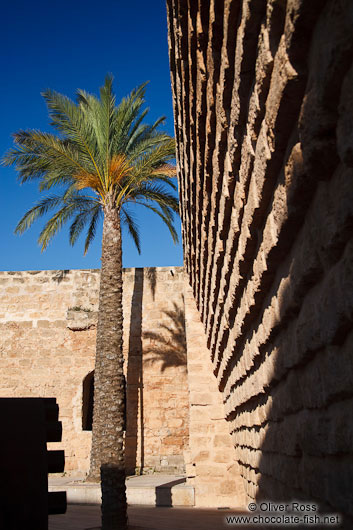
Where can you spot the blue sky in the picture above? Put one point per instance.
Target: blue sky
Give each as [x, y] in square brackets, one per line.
[64, 46]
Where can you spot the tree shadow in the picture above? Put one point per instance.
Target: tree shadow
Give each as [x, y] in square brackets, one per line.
[134, 381]
[60, 275]
[151, 274]
[169, 346]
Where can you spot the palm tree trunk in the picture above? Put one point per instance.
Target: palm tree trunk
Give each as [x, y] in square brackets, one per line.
[107, 455]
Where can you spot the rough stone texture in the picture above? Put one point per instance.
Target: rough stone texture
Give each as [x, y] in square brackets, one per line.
[262, 93]
[47, 348]
[209, 457]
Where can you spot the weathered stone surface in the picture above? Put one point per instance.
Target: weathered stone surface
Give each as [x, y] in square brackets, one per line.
[210, 450]
[265, 171]
[47, 348]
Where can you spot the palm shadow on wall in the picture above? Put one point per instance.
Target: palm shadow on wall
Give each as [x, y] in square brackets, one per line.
[168, 346]
[134, 382]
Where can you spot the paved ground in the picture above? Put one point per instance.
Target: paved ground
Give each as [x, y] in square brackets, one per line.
[80, 517]
[154, 480]
[153, 490]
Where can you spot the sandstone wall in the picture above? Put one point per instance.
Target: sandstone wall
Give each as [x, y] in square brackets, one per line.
[210, 460]
[263, 121]
[47, 347]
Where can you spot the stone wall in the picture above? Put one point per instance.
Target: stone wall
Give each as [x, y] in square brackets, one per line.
[263, 121]
[47, 348]
[210, 460]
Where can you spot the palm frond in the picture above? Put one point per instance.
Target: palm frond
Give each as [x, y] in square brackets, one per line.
[91, 232]
[67, 118]
[54, 224]
[85, 208]
[132, 227]
[44, 153]
[156, 193]
[166, 219]
[37, 211]
[89, 180]
[107, 110]
[165, 170]
[126, 113]
[77, 226]
[119, 168]
[143, 133]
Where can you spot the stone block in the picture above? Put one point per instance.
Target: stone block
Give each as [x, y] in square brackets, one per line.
[223, 440]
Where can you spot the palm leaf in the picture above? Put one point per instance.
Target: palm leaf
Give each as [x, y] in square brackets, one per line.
[166, 219]
[129, 221]
[92, 228]
[37, 211]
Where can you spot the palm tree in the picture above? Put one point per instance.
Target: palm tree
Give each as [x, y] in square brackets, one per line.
[103, 160]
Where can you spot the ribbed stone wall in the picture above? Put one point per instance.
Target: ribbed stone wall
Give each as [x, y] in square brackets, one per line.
[263, 121]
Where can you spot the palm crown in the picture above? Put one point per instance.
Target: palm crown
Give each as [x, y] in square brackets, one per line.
[103, 156]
